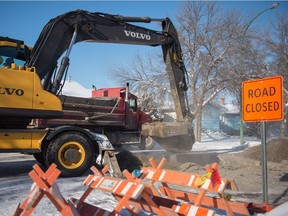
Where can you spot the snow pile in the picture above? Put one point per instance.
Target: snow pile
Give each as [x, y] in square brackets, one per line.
[73, 88]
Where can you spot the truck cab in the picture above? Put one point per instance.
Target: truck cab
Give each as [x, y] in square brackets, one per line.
[135, 117]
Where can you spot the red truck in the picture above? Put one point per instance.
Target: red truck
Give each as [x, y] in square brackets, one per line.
[109, 111]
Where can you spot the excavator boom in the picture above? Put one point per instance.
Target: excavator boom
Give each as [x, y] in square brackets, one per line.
[58, 33]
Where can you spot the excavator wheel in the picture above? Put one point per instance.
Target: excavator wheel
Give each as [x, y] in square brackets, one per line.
[177, 144]
[72, 152]
[40, 158]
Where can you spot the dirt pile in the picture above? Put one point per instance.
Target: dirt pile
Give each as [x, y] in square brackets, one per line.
[277, 151]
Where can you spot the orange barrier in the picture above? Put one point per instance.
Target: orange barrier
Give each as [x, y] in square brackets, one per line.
[152, 191]
[44, 184]
[133, 196]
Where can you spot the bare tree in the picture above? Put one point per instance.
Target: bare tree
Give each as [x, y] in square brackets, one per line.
[147, 77]
[277, 44]
[262, 53]
[208, 38]
[217, 56]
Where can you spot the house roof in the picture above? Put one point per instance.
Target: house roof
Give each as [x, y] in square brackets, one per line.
[231, 108]
[226, 108]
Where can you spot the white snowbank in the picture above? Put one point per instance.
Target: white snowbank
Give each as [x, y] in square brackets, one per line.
[73, 88]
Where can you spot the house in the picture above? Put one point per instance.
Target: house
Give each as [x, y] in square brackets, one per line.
[221, 117]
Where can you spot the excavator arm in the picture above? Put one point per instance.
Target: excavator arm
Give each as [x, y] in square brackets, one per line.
[61, 33]
[76, 26]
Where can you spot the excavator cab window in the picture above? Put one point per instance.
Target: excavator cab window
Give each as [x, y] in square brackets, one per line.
[11, 55]
[8, 62]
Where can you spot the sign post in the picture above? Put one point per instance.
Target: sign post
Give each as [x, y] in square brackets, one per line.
[264, 162]
[262, 100]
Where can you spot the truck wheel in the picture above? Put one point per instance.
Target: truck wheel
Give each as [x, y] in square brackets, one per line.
[114, 138]
[147, 143]
[73, 154]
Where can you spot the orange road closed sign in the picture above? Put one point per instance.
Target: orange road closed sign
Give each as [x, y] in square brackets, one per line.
[262, 99]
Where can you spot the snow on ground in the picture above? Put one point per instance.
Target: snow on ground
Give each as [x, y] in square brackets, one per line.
[214, 142]
[222, 143]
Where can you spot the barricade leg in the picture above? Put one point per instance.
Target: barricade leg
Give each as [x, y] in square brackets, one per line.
[88, 182]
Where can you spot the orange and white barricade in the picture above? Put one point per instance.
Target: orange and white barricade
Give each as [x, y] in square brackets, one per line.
[44, 184]
[133, 196]
[153, 189]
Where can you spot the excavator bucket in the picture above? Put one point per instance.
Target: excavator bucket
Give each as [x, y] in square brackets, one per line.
[172, 136]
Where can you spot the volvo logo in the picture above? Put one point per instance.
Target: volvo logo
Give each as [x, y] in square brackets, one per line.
[137, 35]
[11, 91]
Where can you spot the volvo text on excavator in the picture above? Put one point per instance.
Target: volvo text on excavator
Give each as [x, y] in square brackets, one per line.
[30, 86]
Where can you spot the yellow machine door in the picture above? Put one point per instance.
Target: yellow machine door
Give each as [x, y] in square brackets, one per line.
[16, 88]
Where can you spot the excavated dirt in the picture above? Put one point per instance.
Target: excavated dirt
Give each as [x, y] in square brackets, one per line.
[245, 169]
[277, 151]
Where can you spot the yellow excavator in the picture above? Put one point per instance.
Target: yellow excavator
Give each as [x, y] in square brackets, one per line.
[30, 82]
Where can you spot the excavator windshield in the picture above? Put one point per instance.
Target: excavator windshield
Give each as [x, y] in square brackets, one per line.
[11, 54]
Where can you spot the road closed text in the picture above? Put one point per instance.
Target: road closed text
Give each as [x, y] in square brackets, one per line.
[263, 106]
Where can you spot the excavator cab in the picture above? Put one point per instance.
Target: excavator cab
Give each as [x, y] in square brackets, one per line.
[22, 95]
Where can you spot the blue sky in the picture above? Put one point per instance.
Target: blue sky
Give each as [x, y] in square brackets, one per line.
[91, 62]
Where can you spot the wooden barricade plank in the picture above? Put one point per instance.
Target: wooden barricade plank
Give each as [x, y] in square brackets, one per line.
[88, 181]
[183, 179]
[123, 188]
[181, 208]
[212, 202]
